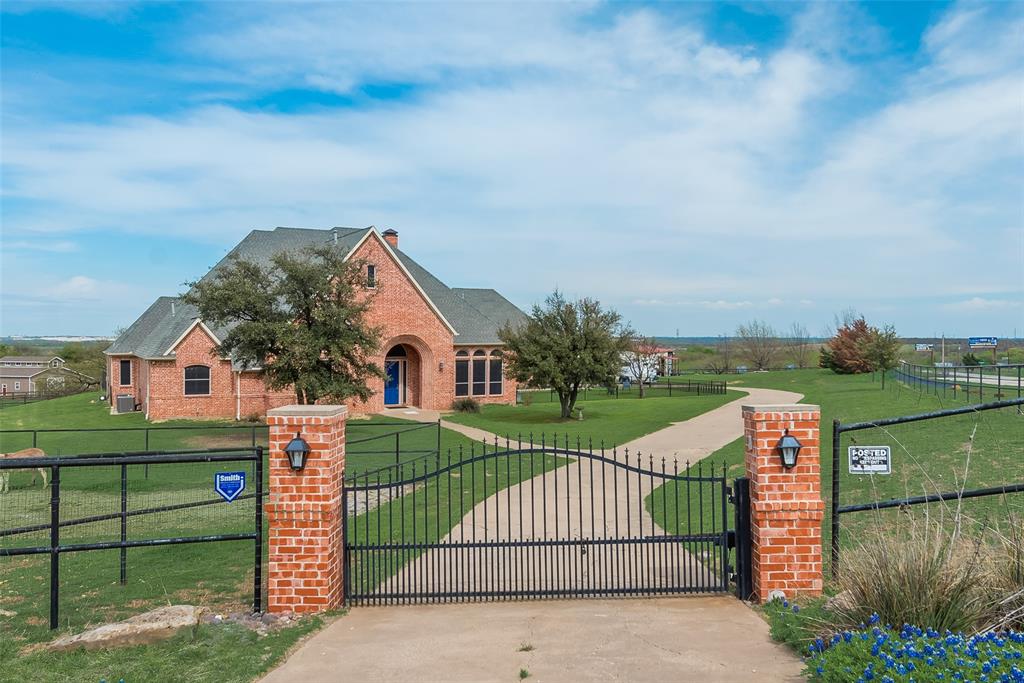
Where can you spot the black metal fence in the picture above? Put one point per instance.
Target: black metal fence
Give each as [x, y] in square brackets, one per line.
[520, 520]
[666, 387]
[370, 444]
[838, 429]
[21, 399]
[970, 382]
[79, 504]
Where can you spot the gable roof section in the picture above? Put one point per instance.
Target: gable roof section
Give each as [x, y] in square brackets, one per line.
[474, 315]
[29, 359]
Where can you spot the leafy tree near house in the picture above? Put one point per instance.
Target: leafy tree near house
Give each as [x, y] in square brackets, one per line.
[566, 345]
[641, 359]
[302, 319]
[882, 349]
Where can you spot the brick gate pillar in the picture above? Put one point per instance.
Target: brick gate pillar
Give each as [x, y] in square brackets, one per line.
[786, 508]
[304, 510]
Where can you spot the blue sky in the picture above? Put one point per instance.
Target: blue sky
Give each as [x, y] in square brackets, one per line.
[693, 165]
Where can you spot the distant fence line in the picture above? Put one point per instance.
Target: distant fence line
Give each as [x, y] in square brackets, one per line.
[974, 382]
[21, 399]
[630, 390]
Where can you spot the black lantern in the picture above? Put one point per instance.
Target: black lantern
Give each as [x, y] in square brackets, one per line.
[297, 450]
[789, 448]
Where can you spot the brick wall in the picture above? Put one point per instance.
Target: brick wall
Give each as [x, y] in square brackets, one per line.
[303, 509]
[786, 507]
[398, 309]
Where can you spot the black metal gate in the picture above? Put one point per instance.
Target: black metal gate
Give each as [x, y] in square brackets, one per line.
[521, 521]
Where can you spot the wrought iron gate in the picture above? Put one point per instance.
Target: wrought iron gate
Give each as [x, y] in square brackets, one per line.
[525, 520]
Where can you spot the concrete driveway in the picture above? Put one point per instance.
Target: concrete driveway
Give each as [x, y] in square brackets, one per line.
[714, 638]
[705, 639]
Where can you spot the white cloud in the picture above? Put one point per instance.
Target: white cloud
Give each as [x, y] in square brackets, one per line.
[978, 303]
[56, 246]
[79, 288]
[625, 152]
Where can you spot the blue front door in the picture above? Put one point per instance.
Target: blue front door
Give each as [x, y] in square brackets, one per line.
[392, 385]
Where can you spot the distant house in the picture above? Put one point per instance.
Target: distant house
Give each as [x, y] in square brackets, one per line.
[21, 375]
[439, 343]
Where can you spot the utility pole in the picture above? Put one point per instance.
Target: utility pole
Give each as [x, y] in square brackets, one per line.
[943, 349]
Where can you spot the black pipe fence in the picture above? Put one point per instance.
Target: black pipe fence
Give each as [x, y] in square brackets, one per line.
[970, 382]
[100, 464]
[661, 388]
[21, 399]
[838, 429]
[370, 444]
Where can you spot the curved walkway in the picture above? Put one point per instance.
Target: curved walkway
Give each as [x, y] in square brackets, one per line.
[679, 639]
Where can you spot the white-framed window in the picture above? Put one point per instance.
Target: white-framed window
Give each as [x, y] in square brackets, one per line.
[17, 386]
[197, 380]
[494, 378]
[479, 372]
[125, 379]
[371, 275]
[54, 383]
[462, 373]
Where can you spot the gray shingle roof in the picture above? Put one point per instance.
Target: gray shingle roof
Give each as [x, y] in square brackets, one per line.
[476, 314]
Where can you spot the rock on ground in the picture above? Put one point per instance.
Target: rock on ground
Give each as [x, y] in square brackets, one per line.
[142, 629]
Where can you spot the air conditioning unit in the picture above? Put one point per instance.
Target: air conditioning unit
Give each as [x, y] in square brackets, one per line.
[125, 403]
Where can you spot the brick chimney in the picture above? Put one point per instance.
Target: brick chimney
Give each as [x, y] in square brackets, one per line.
[391, 237]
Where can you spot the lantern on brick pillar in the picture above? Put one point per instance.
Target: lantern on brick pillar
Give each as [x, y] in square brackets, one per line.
[297, 450]
[789, 447]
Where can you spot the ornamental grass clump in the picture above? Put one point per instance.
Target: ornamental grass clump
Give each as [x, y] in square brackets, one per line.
[921, 570]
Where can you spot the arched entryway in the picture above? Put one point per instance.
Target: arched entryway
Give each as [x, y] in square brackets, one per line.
[402, 384]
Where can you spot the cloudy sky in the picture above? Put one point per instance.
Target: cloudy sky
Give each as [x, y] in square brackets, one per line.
[692, 165]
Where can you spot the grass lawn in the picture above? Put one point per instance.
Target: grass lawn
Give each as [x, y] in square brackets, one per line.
[974, 450]
[609, 422]
[216, 575]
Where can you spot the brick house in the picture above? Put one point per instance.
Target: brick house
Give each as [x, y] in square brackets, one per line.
[438, 342]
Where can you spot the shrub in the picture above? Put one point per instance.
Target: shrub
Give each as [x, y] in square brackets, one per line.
[921, 572]
[466, 405]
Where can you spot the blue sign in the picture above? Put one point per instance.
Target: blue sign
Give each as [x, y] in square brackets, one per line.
[982, 342]
[229, 484]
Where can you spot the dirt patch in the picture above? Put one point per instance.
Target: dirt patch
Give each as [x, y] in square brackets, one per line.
[368, 500]
[221, 441]
[262, 624]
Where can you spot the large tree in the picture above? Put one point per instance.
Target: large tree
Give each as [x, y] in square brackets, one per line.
[302, 319]
[759, 342]
[641, 359]
[566, 345]
[799, 342]
[846, 352]
[882, 349]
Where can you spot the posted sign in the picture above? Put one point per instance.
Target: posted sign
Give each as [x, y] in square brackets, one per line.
[870, 459]
[229, 484]
[982, 342]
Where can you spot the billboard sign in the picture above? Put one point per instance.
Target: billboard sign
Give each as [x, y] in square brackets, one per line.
[982, 342]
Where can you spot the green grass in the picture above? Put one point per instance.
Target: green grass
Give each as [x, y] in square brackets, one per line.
[216, 575]
[609, 422]
[928, 456]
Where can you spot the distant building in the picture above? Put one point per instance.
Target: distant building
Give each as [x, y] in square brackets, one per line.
[21, 375]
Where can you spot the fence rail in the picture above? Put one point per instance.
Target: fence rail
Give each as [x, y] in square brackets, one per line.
[838, 429]
[969, 381]
[622, 390]
[35, 396]
[56, 546]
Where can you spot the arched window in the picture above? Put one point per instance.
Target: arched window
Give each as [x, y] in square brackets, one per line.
[197, 380]
[494, 386]
[479, 373]
[462, 373]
